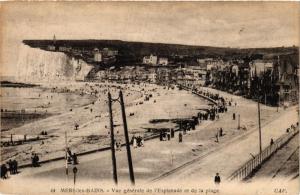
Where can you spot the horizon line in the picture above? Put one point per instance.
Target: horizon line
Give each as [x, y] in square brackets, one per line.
[228, 47]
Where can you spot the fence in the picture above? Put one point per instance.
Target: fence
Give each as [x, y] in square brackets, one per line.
[254, 164]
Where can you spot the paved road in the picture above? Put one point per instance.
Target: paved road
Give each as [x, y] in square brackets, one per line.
[231, 157]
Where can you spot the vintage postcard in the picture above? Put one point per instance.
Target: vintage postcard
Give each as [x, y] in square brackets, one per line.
[149, 98]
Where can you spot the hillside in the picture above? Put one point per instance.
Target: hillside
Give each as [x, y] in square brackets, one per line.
[132, 52]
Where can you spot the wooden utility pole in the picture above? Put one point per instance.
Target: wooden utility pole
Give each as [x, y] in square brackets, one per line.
[66, 155]
[131, 173]
[259, 126]
[239, 121]
[112, 137]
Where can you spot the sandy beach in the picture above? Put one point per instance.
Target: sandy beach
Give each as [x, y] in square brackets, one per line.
[89, 110]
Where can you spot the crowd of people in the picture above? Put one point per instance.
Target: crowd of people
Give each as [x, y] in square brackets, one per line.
[211, 113]
[12, 168]
[72, 158]
[166, 135]
[137, 141]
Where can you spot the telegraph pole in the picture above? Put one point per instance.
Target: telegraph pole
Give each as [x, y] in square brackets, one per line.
[66, 155]
[131, 173]
[112, 137]
[259, 126]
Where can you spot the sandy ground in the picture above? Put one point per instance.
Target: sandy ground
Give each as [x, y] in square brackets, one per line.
[94, 125]
[198, 157]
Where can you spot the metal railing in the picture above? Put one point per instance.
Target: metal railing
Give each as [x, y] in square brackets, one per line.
[254, 164]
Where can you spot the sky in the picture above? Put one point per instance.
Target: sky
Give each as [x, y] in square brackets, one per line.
[231, 24]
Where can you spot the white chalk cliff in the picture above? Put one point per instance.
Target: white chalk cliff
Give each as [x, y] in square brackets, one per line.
[37, 65]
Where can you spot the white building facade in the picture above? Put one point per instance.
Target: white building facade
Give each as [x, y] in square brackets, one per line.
[97, 55]
[152, 60]
[163, 61]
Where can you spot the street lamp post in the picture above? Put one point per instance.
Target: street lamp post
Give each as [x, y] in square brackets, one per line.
[75, 172]
[259, 126]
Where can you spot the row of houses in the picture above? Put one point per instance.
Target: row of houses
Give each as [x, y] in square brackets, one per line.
[95, 56]
[127, 75]
[161, 75]
[272, 81]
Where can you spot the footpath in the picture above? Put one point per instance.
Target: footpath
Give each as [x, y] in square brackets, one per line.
[231, 156]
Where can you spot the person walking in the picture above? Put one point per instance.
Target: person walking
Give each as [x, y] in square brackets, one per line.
[164, 136]
[134, 142]
[76, 126]
[217, 179]
[15, 166]
[139, 140]
[10, 166]
[180, 137]
[161, 135]
[169, 136]
[69, 159]
[221, 132]
[217, 137]
[35, 160]
[172, 133]
[4, 171]
[32, 160]
[75, 160]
